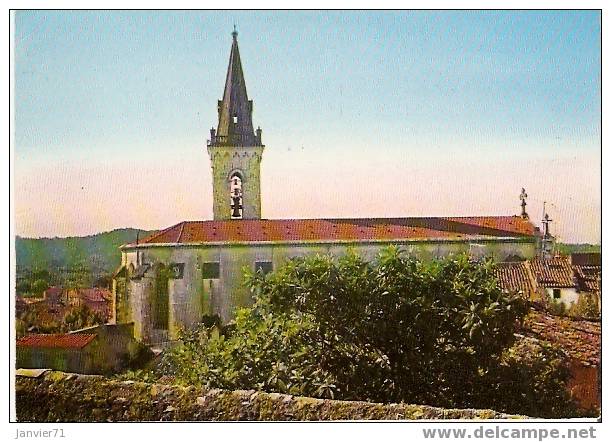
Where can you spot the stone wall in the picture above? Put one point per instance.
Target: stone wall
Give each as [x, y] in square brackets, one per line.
[62, 397]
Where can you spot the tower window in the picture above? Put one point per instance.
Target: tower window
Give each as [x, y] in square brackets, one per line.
[235, 193]
[235, 119]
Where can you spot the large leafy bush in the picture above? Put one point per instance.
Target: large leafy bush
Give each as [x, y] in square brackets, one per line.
[395, 329]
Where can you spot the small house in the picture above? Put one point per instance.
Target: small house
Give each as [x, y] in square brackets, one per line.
[74, 353]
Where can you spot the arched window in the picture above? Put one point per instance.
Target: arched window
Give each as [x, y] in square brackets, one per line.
[235, 190]
[161, 303]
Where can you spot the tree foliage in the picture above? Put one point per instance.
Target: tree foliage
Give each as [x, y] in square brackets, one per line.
[80, 317]
[395, 329]
[39, 286]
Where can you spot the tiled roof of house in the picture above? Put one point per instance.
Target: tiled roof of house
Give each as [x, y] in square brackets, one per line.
[515, 277]
[588, 278]
[53, 291]
[95, 294]
[53, 294]
[55, 340]
[586, 259]
[553, 272]
[362, 229]
[578, 338]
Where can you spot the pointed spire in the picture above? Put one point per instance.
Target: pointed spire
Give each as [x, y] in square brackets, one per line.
[235, 109]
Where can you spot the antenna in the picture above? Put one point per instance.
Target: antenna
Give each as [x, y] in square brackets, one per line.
[548, 239]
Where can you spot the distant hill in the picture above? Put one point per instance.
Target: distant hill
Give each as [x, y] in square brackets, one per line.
[97, 254]
[567, 249]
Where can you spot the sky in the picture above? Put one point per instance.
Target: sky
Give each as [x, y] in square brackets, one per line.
[364, 114]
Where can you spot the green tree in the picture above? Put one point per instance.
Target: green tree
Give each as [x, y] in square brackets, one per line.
[23, 287]
[80, 317]
[396, 329]
[531, 380]
[586, 307]
[435, 324]
[39, 286]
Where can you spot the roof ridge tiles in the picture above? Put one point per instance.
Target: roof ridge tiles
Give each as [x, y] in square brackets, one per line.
[343, 229]
[161, 232]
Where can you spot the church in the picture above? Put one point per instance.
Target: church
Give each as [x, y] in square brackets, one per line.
[177, 276]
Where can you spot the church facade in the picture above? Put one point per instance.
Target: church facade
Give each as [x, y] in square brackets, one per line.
[172, 279]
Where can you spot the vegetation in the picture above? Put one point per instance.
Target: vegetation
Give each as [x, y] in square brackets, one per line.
[567, 249]
[38, 320]
[586, 307]
[74, 262]
[38, 287]
[395, 330]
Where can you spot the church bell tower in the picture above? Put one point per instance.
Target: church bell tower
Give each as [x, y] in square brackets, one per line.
[235, 149]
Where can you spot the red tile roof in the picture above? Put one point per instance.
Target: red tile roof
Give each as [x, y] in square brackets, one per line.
[588, 278]
[56, 341]
[53, 294]
[54, 291]
[95, 295]
[362, 229]
[554, 272]
[515, 277]
[579, 339]
[586, 259]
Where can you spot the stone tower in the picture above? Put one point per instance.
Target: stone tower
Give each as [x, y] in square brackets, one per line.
[235, 149]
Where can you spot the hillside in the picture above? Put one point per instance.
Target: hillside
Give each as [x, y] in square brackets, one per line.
[96, 255]
[567, 249]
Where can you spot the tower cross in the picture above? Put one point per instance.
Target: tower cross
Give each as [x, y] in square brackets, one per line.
[523, 197]
[546, 220]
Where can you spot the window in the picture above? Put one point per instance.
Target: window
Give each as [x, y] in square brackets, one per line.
[177, 270]
[235, 119]
[264, 266]
[235, 192]
[211, 270]
[556, 293]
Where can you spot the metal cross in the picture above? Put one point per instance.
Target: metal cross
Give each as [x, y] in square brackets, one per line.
[523, 197]
[546, 220]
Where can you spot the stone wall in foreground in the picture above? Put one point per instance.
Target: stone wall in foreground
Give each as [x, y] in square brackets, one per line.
[62, 397]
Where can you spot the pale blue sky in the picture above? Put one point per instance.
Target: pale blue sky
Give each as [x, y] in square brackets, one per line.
[127, 91]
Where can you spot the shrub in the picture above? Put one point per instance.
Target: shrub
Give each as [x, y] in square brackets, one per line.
[395, 329]
[586, 307]
[39, 286]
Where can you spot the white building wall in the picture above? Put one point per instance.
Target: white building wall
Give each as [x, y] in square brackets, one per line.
[568, 295]
[192, 297]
